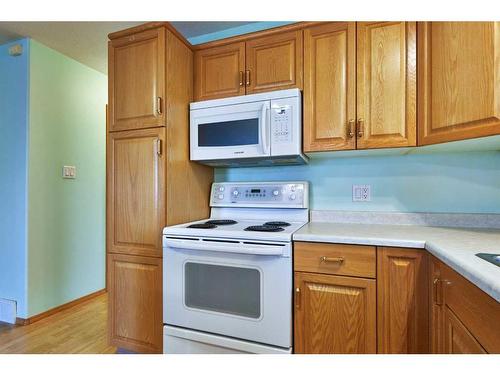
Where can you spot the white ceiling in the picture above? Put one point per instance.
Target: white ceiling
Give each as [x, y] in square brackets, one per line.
[86, 42]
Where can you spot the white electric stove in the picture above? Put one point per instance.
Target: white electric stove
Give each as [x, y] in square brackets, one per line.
[228, 279]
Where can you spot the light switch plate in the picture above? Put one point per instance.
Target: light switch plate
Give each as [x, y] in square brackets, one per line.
[361, 193]
[69, 171]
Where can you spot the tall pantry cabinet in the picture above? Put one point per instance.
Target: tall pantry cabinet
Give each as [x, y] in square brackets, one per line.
[150, 181]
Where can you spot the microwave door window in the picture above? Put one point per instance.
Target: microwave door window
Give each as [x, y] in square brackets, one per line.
[229, 133]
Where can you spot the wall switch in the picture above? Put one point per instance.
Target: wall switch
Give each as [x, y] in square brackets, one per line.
[69, 171]
[361, 193]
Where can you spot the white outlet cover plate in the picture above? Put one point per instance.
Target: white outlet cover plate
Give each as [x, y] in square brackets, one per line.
[361, 193]
[69, 171]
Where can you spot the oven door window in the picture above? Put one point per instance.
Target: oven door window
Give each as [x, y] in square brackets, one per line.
[229, 133]
[223, 289]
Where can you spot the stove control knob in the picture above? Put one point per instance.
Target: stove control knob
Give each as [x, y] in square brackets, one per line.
[276, 192]
[292, 187]
[221, 188]
[235, 193]
[221, 196]
[292, 197]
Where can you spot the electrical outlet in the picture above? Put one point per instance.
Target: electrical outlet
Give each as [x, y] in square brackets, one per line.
[361, 193]
[69, 172]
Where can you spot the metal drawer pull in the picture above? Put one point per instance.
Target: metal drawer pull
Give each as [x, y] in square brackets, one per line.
[241, 77]
[158, 105]
[297, 298]
[351, 128]
[360, 127]
[332, 260]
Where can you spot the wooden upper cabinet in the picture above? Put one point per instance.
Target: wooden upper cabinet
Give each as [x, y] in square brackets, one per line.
[135, 302]
[459, 83]
[274, 62]
[219, 72]
[402, 301]
[135, 188]
[334, 314]
[137, 80]
[330, 87]
[386, 84]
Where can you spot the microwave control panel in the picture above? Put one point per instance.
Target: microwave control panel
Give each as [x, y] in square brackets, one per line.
[281, 120]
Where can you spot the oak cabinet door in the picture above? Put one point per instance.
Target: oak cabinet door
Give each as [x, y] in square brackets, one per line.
[334, 314]
[219, 72]
[135, 188]
[436, 306]
[274, 62]
[386, 84]
[458, 339]
[137, 81]
[330, 87]
[402, 301]
[135, 303]
[459, 83]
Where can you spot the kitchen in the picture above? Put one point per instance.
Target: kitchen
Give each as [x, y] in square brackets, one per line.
[306, 187]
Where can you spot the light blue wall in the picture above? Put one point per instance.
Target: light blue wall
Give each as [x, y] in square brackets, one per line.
[436, 182]
[244, 29]
[13, 174]
[66, 218]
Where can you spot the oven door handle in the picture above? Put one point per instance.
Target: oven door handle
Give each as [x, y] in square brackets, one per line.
[223, 247]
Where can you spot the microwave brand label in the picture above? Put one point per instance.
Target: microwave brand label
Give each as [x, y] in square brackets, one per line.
[239, 152]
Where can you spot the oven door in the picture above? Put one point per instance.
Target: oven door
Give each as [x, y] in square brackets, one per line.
[238, 290]
[231, 132]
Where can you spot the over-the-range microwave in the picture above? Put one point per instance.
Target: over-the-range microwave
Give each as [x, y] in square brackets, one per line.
[249, 130]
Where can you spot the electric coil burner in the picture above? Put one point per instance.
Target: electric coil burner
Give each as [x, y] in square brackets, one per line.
[264, 228]
[203, 226]
[278, 223]
[221, 222]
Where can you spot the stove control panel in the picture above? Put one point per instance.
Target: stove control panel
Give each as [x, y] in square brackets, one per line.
[260, 194]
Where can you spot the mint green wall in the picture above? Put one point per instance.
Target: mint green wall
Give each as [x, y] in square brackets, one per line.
[66, 218]
[423, 182]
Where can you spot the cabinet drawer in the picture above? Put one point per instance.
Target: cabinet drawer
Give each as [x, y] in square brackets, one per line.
[334, 259]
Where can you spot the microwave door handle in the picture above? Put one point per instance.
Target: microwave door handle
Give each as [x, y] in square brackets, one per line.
[264, 132]
[239, 248]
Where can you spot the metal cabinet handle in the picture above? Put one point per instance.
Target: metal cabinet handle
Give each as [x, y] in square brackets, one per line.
[247, 77]
[332, 259]
[361, 122]
[158, 105]
[297, 298]
[351, 128]
[241, 77]
[158, 149]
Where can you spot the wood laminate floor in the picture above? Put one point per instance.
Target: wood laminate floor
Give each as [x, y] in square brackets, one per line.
[80, 329]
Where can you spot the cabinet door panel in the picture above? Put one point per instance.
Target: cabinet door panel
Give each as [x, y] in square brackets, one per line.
[458, 340]
[137, 81]
[135, 301]
[330, 87]
[218, 72]
[459, 83]
[402, 293]
[274, 62]
[386, 82]
[334, 314]
[135, 186]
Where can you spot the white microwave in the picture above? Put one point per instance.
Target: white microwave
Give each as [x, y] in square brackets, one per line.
[249, 130]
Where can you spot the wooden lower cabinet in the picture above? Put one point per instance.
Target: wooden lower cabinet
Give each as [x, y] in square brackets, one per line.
[135, 307]
[334, 314]
[463, 317]
[402, 301]
[458, 339]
